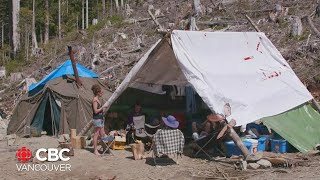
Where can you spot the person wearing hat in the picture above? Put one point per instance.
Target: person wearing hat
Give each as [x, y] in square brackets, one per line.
[170, 122]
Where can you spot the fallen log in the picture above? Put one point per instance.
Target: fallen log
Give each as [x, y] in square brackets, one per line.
[220, 22]
[132, 21]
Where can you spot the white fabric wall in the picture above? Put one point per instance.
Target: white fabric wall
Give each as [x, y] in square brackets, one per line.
[243, 69]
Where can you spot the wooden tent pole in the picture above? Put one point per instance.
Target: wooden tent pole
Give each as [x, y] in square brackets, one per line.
[74, 66]
[316, 104]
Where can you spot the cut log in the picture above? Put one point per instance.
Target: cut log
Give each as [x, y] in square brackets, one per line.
[277, 161]
[137, 151]
[73, 133]
[76, 142]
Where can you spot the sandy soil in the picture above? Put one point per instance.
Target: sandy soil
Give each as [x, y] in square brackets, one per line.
[85, 165]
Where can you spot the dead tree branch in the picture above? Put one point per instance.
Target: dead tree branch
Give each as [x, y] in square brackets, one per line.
[155, 20]
[315, 30]
[253, 24]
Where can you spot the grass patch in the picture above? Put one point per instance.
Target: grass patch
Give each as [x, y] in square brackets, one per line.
[117, 21]
[15, 66]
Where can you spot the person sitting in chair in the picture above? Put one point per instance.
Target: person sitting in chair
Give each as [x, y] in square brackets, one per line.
[137, 111]
[207, 126]
[170, 122]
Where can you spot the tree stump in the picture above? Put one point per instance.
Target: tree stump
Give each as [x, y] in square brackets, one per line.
[296, 26]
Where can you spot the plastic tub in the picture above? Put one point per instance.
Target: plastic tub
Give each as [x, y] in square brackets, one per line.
[268, 143]
[279, 145]
[254, 145]
[262, 141]
[232, 149]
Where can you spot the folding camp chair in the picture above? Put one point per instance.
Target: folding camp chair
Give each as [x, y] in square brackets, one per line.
[106, 143]
[167, 142]
[143, 131]
[204, 142]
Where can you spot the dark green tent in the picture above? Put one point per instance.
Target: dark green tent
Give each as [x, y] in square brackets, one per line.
[58, 106]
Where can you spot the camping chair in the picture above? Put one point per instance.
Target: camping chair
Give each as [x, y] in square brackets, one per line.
[210, 140]
[143, 131]
[106, 143]
[167, 142]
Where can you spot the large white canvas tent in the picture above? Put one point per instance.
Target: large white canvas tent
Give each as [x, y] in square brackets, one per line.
[242, 69]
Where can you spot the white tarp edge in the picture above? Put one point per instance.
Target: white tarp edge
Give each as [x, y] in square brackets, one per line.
[244, 70]
[125, 83]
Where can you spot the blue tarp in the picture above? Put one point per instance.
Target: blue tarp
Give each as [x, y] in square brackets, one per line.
[63, 69]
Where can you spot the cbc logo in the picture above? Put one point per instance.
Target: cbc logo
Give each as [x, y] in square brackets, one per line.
[53, 154]
[24, 154]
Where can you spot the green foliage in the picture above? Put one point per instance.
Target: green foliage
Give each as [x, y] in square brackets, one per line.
[97, 27]
[117, 21]
[16, 65]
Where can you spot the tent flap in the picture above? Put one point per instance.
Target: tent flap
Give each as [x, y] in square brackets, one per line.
[242, 70]
[299, 126]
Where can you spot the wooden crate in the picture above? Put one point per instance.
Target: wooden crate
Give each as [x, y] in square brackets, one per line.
[119, 143]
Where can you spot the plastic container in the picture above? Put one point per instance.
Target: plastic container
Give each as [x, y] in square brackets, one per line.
[268, 143]
[254, 145]
[279, 145]
[232, 149]
[262, 142]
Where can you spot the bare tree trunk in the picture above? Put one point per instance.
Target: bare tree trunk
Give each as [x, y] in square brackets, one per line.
[59, 19]
[2, 33]
[41, 36]
[87, 14]
[77, 23]
[46, 33]
[26, 45]
[197, 6]
[34, 35]
[121, 3]
[15, 27]
[67, 7]
[104, 8]
[82, 14]
[117, 5]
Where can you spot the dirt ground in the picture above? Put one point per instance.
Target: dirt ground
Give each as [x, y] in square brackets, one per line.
[85, 165]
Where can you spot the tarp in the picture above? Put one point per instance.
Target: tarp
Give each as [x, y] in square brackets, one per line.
[300, 127]
[242, 69]
[63, 69]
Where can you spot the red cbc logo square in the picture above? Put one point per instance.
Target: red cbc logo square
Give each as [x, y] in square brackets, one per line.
[24, 154]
